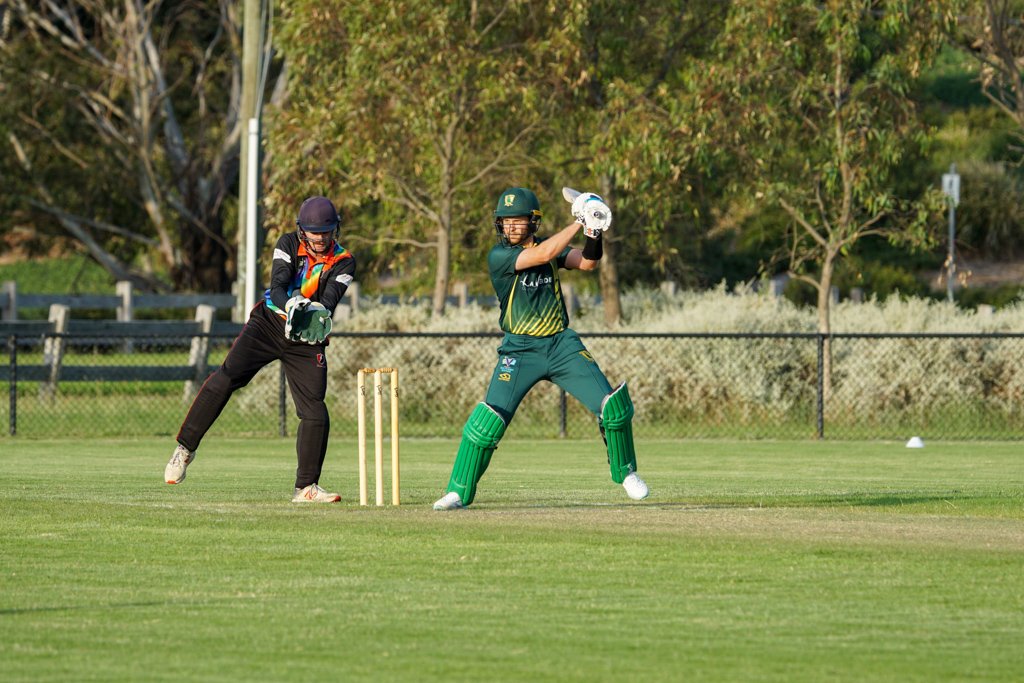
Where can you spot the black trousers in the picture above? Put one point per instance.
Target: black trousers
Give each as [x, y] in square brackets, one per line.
[305, 367]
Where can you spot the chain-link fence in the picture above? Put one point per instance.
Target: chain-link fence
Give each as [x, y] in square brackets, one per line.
[754, 386]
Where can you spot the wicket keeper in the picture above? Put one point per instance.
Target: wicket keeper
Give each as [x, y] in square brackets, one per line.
[310, 273]
[538, 343]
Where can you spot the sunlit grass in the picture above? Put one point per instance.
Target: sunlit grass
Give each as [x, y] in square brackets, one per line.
[775, 561]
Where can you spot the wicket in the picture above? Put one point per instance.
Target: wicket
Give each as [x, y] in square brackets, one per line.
[378, 433]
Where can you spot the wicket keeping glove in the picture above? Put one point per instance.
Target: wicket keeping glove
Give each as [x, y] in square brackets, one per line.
[306, 321]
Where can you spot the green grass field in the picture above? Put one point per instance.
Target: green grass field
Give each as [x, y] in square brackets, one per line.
[751, 561]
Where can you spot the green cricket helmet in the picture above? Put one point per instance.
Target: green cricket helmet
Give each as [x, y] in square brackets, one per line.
[517, 201]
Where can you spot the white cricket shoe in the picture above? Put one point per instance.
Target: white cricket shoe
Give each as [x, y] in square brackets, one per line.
[174, 473]
[450, 501]
[314, 494]
[635, 487]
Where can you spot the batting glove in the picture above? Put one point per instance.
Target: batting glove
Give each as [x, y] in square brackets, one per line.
[590, 210]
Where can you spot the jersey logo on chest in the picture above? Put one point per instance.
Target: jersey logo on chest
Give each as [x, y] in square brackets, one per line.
[534, 280]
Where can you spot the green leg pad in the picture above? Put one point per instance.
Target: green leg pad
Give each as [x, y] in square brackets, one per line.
[480, 437]
[617, 425]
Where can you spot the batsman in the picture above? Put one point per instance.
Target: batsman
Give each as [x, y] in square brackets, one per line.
[538, 343]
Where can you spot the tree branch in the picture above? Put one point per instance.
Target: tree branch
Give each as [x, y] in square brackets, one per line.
[57, 144]
[409, 199]
[796, 215]
[498, 159]
[99, 225]
[72, 225]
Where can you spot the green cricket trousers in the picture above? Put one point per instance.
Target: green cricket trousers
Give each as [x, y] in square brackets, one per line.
[561, 358]
[522, 362]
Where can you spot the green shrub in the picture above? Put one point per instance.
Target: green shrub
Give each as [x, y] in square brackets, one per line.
[999, 297]
[78, 275]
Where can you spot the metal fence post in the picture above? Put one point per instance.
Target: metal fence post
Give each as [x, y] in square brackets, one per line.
[12, 348]
[562, 417]
[282, 401]
[821, 386]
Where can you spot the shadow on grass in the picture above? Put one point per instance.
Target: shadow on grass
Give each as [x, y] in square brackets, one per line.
[659, 505]
[114, 606]
[890, 500]
[843, 500]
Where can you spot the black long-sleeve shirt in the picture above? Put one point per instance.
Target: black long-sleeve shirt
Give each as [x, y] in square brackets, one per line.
[295, 271]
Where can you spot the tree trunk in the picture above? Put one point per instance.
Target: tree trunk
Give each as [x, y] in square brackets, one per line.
[444, 256]
[608, 276]
[441, 275]
[204, 261]
[825, 317]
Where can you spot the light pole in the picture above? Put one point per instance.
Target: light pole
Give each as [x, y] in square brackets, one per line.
[256, 20]
[951, 188]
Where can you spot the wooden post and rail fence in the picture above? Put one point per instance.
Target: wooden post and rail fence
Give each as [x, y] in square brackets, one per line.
[125, 331]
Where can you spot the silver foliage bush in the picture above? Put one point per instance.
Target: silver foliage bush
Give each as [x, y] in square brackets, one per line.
[705, 386]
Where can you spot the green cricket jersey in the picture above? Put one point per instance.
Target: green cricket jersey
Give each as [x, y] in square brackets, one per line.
[530, 300]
